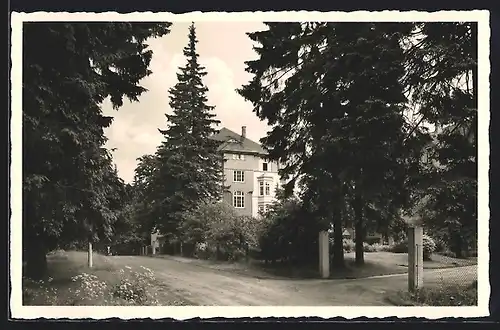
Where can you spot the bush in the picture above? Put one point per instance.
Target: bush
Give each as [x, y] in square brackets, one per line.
[39, 293]
[289, 234]
[349, 245]
[399, 247]
[377, 247]
[428, 247]
[368, 247]
[133, 287]
[216, 231]
[372, 240]
[441, 244]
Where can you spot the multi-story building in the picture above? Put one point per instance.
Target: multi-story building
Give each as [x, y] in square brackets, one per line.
[249, 178]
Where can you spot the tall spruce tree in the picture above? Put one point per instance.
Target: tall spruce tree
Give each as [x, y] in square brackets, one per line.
[441, 74]
[189, 161]
[339, 114]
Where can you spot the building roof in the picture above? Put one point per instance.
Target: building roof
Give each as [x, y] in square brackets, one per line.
[236, 143]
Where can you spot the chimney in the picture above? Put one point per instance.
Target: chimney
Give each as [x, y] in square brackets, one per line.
[243, 131]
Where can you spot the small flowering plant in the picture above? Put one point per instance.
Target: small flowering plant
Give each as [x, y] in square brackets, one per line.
[136, 287]
[39, 293]
[126, 287]
[90, 290]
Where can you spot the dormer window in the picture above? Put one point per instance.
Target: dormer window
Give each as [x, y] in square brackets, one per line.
[232, 141]
[264, 167]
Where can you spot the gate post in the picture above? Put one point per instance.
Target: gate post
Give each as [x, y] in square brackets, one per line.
[415, 258]
[324, 255]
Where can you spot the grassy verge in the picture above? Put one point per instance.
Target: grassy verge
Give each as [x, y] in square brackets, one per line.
[70, 282]
[444, 295]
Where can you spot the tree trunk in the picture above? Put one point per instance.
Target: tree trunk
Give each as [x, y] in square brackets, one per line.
[359, 229]
[338, 240]
[457, 245]
[90, 255]
[35, 255]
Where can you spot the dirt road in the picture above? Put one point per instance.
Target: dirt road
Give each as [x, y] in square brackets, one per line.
[208, 287]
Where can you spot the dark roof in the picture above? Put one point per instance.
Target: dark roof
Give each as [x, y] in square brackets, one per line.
[242, 145]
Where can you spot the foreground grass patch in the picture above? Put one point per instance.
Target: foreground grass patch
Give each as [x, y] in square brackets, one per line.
[70, 282]
[443, 295]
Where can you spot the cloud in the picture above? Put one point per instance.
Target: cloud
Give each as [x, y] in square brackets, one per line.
[134, 131]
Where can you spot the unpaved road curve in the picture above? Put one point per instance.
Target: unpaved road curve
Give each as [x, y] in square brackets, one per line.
[209, 287]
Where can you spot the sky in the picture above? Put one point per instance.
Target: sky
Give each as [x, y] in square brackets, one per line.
[223, 48]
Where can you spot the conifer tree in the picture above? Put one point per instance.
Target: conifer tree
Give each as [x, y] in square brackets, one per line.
[70, 189]
[442, 77]
[338, 117]
[189, 161]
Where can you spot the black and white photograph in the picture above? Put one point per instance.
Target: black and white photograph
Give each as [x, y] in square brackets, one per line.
[306, 163]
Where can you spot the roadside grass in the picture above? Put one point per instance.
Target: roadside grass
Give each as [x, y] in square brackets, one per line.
[438, 295]
[69, 282]
[376, 264]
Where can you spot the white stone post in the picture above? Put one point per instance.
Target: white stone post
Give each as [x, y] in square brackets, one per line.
[324, 255]
[415, 258]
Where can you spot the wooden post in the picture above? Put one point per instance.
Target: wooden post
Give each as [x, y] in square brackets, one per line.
[415, 258]
[89, 256]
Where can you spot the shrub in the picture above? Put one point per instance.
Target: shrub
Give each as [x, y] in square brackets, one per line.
[368, 247]
[349, 245]
[399, 247]
[90, 289]
[441, 244]
[377, 247]
[215, 231]
[133, 287]
[429, 246]
[290, 234]
[39, 292]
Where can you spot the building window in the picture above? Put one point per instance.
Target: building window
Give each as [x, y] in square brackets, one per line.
[238, 157]
[238, 176]
[261, 188]
[262, 209]
[264, 167]
[239, 199]
[268, 189]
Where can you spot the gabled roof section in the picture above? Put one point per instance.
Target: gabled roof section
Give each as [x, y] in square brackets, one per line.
[236, 143]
